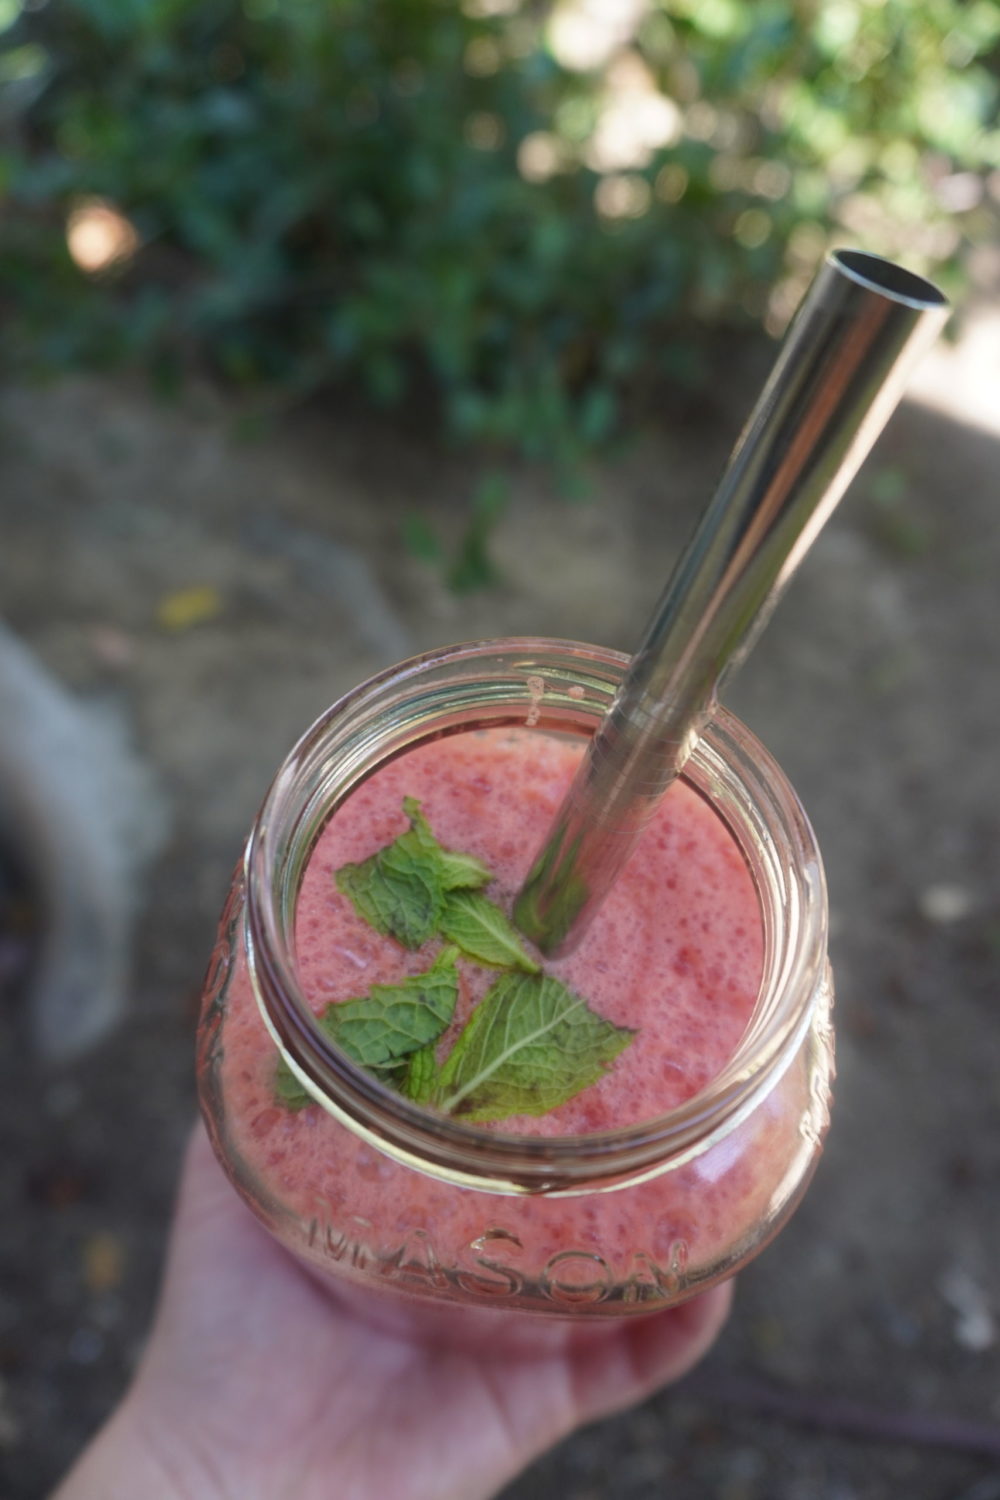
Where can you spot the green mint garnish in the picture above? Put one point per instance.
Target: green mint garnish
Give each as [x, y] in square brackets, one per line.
[482, 931]
[419, 1081]
[395, 1020]
[382, 1030]
[457, 871]
[401, 890]
[287, 1088]
[528, 1047]
[397, 892]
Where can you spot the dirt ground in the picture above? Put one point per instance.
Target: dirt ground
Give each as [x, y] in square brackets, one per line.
[863, 1358]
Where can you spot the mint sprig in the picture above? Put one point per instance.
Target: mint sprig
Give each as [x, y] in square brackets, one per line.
[288, 1091]
[401, 890]
[385, 1028]
[529, 1046]
[394, 1020]
[420, 1079]
[482, 931]
[456, 871]
[414, 889]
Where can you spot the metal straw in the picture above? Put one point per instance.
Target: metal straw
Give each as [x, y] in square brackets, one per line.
[839, 375]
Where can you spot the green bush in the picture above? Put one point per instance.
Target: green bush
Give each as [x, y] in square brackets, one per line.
[420, 198]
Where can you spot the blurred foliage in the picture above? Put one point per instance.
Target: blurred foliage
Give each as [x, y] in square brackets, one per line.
[525, 212]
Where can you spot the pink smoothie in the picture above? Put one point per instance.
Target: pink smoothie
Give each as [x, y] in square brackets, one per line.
[675, 952]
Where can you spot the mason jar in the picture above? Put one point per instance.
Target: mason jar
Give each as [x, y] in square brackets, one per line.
[443, 1228]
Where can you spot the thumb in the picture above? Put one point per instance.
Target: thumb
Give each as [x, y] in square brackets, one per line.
[647, 1353]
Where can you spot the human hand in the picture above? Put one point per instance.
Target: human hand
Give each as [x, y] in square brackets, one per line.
[257, 1384]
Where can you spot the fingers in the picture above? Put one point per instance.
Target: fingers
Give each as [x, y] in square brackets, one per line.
[212, 1227]
[204, 1192]
[648, 1353]
[662, 1354]
[220, 1258]
[223, 1275]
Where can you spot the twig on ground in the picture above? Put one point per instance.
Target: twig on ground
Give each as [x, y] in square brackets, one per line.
[838, 1414]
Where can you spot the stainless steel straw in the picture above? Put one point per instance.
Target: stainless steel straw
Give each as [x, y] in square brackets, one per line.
[841, 371]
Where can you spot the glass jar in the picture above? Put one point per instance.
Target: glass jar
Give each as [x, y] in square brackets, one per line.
[468, 1224]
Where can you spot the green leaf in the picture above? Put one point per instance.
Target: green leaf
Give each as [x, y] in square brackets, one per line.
[391, 1077]
[288, 1090]
[420, 1080]
[529, 1046]
[473, 566]
[458, 871]
[391, 1032]
[462, 871]
[395, 1020]
[482, 931]
[420, 539]
[423, 838]
[400, 890]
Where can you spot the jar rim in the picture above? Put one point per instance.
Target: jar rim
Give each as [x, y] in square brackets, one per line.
[727, 755]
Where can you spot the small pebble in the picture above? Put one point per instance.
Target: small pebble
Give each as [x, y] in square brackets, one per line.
[103, 1261]
[975, 1327]
[86, 1346]
[112, 647]
[942, 904]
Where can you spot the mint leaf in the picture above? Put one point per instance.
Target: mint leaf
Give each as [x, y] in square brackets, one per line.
[419, 826]
[387, 1032]
[288, 1090]
[401, 889]
[462, 871]
[395, 1020]
[398, 892]
[482, 931]
[530, 1045]
[420, 1080]
[457, 871]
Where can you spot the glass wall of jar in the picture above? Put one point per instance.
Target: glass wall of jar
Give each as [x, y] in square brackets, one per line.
[441, 1225]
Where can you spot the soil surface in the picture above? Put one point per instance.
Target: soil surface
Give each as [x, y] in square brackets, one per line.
[217, 593]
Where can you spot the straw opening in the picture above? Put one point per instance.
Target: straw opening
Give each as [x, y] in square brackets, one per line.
[887, 277]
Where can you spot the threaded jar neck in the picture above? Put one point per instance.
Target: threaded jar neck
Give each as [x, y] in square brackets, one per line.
[548, 686]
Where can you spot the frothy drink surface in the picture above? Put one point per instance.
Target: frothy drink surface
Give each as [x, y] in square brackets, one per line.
[675, 951]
